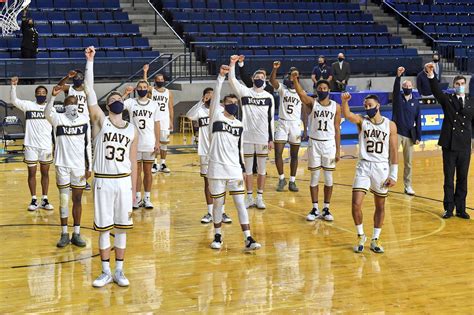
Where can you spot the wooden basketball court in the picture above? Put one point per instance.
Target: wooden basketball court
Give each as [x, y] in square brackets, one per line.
[303, 267]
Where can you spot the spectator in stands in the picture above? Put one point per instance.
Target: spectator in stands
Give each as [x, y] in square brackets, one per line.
[341, 71]
[437, 67]
[423, 85]
[407, 116]
[29, 43]
[321, 72]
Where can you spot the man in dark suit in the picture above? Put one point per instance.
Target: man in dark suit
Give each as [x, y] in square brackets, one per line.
[341, 71]
[29, 43]
[455, 139]
[423, 85]
[438, 67]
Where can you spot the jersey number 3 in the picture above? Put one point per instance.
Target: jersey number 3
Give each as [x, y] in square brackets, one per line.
[113, 153]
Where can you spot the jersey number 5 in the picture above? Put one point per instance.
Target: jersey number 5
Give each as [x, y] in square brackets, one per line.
[80, 108]
[289, 109]
[111, 153]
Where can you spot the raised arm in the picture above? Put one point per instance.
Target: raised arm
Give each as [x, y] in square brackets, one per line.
[307, 100]
[243, 73]
[393, 142]
[337, 129]
[193, 113]
[146, 67]
[96, 114]
[273, 80]
[62, 83]
[20, 104]
[49, 113]
[216, 97]
[442, 98]
[346, 111]
[235, 85]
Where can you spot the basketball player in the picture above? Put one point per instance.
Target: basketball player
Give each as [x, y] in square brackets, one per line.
[115, 176]
[257, 116]
[77, 90]
[164, 98]
[200, 113]
[38, 142]
[378, 146]
[144, 114]
[324, 142]
[72, 158]
[226, 162]
[288, 128]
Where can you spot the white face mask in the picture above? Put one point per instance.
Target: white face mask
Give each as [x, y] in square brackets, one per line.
[71, 111]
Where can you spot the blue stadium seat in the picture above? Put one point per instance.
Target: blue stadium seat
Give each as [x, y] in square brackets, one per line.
[111, 4]
[44, 54]
[59, 54]
[114, 54]
[78, 54]
[281, 28]
[90, 41]
[251, 28]
[44, 29]
[199, 4]
[265, 28]
[114, 29]
[78, 29]
[291, 52]
[261, 52]
[221, 28]
[297, 40]
[96, 29]
[270, 5]
[96, 4]
[104, 16]
[79, 4]
[133, 53]
[54, 16]
[141, 42]
[213, 4]
[5, 55]
[60, 30]
[228, 4]
[64, 4]
[73, 43]
[89, 16]
[120, 16]
[170, 4]
[206, 28]
[45, 4]
[124, 42]
[256, 5]
[72, 16]
[267, 41]
[107, 42]
[236, 28]
[54, 43]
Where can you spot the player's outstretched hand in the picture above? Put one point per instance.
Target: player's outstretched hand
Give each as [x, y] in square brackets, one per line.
[294, 75]
[389, 182]
[129, 89]
[71, 74]
[276, 64]
[241, 58]
[146, 67]
[90, 53]
[400, 71]
[224, 70]
[346, 96]
[234, 59]
[429, 68]
[56, 90]
[14, 81]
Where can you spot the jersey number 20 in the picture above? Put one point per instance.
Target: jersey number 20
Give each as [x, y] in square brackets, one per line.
[374, 146]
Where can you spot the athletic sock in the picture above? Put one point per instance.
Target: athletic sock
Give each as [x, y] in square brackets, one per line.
[106, 266]
[44, 197]
[249, 193]
[209, 208]
[162, 161]
[360, 229]
[292, 179]
[138, 196]
[118, 264]
[147, 195]
[315, 205]
[259, 194]
[34, 197]
[326, 205]
[218, 230]
[376, 234]
[77, 229]
[246, 234]
[282, 176]
[63, 229]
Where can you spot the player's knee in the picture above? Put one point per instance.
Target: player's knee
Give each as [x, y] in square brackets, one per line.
[239, 201]
[294, 153]
[249, 165]
[164, 147]
[77, 198]
[262, 165]
[328, 181]
[120, 239]
[64, 203]
[104, 240]
[314, 178]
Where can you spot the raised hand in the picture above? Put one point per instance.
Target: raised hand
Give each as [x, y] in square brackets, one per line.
[129, 89]
[294, 75]
[90, 53]
[346, 96]
[234, 59]
[56, 90]
[241, 58]
[276, 64]
[14, 81]
[429, 68]
[400, 71]
[224, 70]
[146, 67]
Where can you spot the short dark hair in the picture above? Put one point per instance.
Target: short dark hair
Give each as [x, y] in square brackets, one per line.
[459, 77]
[321, 56]
[71, 99]
[39, 87]
[372, 97]
[112, 94]
[207, 90]
[160, 75]
[322, 81]
[229, 96]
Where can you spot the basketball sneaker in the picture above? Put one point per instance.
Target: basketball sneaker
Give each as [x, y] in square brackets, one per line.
[102, 280]
[226, 218]
[33, 205]
[313, 215]
[154, 168]
[138, 204]
[260, 203]
[146, 203]
[376, 246]
[120, 279]
[46, 205]
[292, 187]
[164, 168]
[326, 215]
[64, 240]
[409, 191]
[359, 248]
[249, 201]
[207, 218]
[251, 244]
[217, 242]
[88, 187]
[281, 185]
[77, 240]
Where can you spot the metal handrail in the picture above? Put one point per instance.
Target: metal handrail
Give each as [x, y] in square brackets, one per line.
[165, 65]
[167, 24]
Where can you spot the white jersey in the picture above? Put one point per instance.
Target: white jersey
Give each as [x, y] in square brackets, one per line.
[225, 151]
[82, 108]
[374, 140]
[258, 110]
[200, 113]
[112, 150]
[290, 104]
[163, 100]
[321, 121]
[143, 116]
[73, 141]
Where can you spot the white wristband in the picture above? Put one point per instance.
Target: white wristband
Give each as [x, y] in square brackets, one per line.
[393, 175]
[91, 96]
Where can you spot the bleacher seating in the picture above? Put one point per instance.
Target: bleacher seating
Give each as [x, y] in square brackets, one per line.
[447, 21]
[287, 29]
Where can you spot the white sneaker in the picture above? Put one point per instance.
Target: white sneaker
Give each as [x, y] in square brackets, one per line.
[164, 169]
[102, 280]
[251, 244]
[217, 242]
[147, 204]
[409, 191]
[33, 205]
[138, 204]
[313, 215]
[207, 218]
[46, 205]
[326, 215]
[260, 203]
[249, 201]
[226, 218]
[120, 279]
[376, 246]
[359, 248]
[154, 168]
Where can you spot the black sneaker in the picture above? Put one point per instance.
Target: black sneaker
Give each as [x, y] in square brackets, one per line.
[164, 168]
[251, 244]
[154, 168]
[326, 215]
[217, 242]
[33, 205]
[88, 187]
[46, 205]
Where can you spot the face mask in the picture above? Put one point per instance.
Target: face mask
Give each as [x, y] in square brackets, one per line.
[288, 84]
[461, 89]
[407, 91]
[371, 112]
[77, 82]
[159, 84]
[340, 59]
[321, 64]
[142, 93]
[71, 111]
[232, 109]
[435, 60]
[322, 95]
[40, 99]
[116, 107]
[258, 83]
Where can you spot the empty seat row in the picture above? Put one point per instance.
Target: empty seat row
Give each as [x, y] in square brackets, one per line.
[87, 29]
[82, 16]
[441, 18]
[435, 8]
[66, 4]
[449, 29]
[80, 54]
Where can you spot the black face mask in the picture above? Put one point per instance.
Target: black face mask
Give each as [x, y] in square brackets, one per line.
[159, 84]
[321, 64]
[340, 59]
